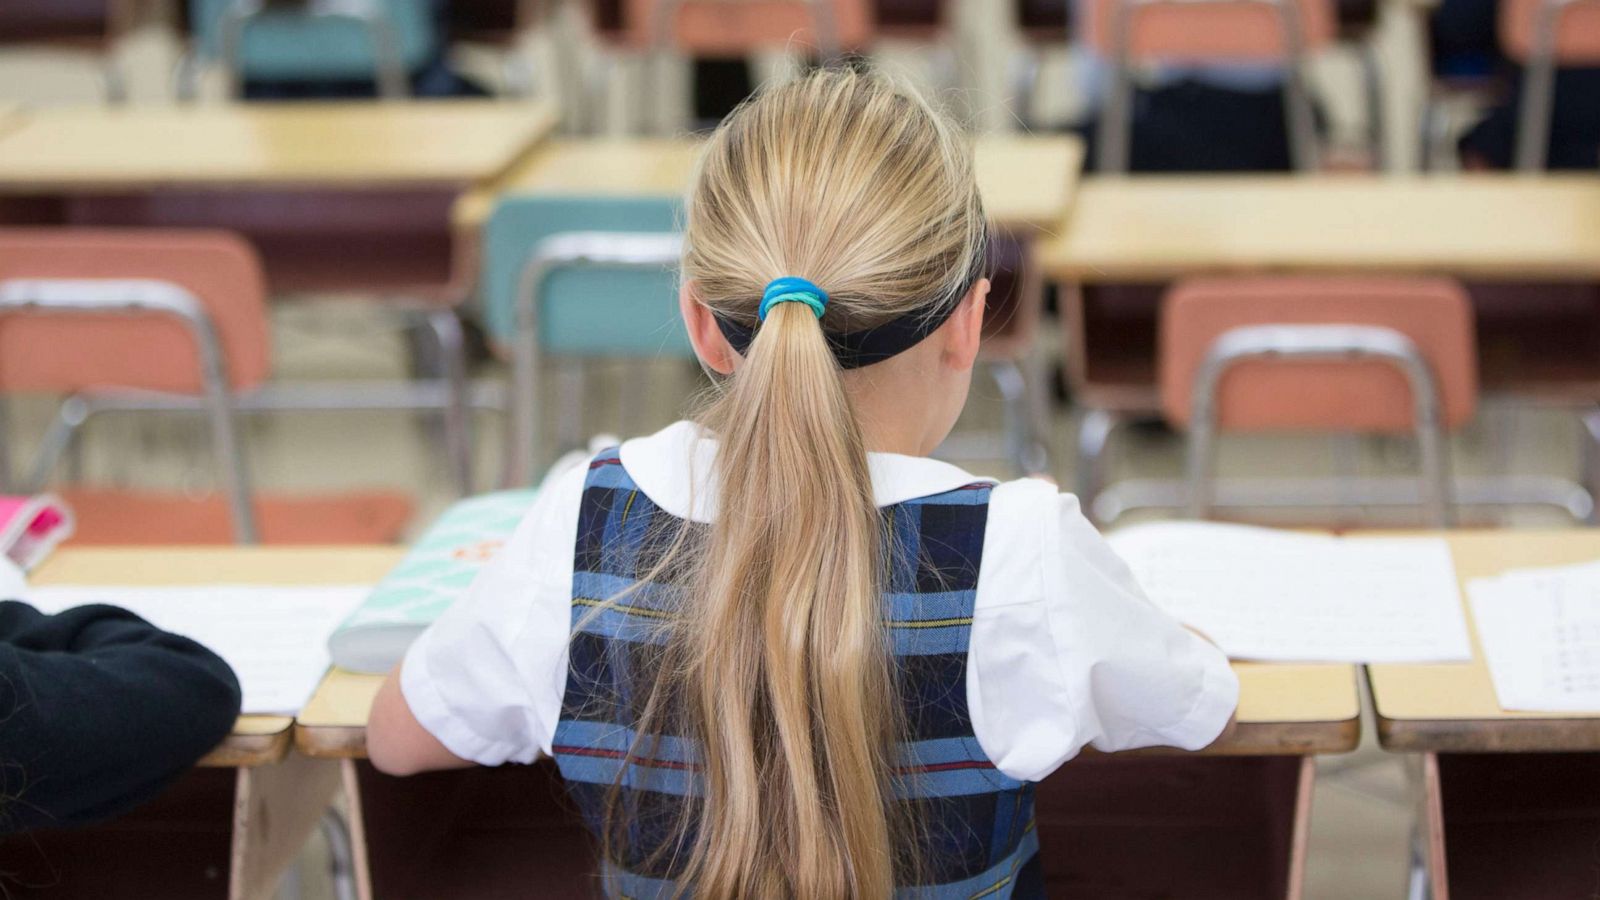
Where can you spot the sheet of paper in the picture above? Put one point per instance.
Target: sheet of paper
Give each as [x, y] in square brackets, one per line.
[275, 638]
[1540, 633]
[1286, 597]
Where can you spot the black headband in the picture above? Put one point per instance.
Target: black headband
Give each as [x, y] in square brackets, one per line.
[856, 349]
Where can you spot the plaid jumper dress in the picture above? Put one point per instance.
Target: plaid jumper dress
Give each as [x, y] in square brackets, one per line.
[979, 840]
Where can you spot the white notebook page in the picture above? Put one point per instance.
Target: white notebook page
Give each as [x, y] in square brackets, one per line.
[1540, 633]
[274, 638]
[1283, 596]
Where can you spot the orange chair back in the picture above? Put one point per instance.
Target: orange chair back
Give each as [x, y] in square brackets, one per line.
[1184, 31]
[737, 27]
[1363, 396]
[1577, 29]
[60, 353]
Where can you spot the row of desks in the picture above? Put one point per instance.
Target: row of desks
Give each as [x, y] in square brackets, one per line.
[1283, 708]
[289, 769]
[1141, 228]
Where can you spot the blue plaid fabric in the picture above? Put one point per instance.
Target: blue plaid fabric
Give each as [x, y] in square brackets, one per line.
[979, 840]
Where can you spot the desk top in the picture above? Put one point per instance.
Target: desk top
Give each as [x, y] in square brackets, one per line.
[256, 739]
[1155, 228]
[346, 145]
[1453, 707]
[1027, 182]
[1283, 710]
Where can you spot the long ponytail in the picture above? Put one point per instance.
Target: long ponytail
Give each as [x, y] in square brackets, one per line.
[778, 664]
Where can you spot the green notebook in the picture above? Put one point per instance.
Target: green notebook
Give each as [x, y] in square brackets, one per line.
[432, 576]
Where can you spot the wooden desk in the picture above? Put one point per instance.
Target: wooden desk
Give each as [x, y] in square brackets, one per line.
[265, 810]
[256, 740]
[336, 197]
[1283, 710]
[1164, 803]
[1484, 227]
[1510, 809]
[1451, 708]
[344, 145]
[1027, 182]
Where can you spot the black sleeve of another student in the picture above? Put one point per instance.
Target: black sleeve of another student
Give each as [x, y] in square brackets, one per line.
[100, 710]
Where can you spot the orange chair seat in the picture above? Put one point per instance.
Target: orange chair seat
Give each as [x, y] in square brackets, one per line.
[116, 516]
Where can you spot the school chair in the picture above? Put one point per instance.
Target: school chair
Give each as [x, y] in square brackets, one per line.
[574, 278]
[649, 29]
[1133, 33]
[125, 320]
[1344, 355]
[312, 40]
[392, 246]
[1542, 35]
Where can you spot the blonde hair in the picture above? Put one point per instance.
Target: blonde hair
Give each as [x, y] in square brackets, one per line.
[779, 663]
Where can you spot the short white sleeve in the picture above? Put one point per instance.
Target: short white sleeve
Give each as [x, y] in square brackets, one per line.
[1067, 651]
[487, 678]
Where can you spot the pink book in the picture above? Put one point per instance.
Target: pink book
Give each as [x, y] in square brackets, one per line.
[30, 527]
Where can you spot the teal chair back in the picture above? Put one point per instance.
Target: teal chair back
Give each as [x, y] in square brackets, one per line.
[583, 311]
[283, 43]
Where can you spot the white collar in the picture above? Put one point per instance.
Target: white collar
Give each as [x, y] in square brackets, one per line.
[673, 466]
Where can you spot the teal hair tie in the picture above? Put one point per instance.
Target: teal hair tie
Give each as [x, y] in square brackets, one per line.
[793, 290]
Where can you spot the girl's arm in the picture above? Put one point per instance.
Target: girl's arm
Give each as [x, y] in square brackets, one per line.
[397, 744]
[99, 711]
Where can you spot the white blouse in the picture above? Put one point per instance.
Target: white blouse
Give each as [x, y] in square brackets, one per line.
[1065, 651]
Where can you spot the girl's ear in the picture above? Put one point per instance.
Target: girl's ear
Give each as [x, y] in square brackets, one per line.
[966, 327]
[709, 344]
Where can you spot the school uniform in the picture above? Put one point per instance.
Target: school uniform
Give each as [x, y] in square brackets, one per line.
[1019, 638]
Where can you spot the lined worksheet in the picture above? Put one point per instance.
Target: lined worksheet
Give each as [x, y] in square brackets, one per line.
[1540, 632]
[274, 638]
[1263, 594]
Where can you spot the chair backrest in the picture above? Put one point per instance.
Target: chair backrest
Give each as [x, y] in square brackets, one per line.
[1206, 31]
[65, 353]
[600, 312]
[738, 27]
[1358, 396]
[283, 42]
[1576, 24]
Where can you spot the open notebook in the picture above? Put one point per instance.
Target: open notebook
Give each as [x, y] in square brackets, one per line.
[431, 577]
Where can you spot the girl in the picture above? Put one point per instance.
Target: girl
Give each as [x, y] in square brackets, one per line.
[780, 652]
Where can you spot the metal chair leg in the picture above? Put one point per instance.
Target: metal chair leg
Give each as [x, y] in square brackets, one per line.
[1115, 136]
[341, 855]
[116, 83]
[1025, 84]
[446, 329]
[1023, 447]
[1590, 420]
[1534, 112]
[1299, 114]
[1094, 433]
[1537, 103]
[5, 446]
[570, 379]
